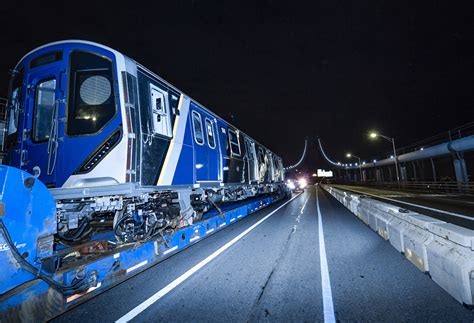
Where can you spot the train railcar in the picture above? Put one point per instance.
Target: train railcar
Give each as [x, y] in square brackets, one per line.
[120, 148]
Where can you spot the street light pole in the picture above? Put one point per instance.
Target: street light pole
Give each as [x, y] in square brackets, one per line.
[392, 140]
[349, 155]
[396, 159]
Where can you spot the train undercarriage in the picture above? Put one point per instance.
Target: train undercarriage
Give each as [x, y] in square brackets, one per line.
[145, 215]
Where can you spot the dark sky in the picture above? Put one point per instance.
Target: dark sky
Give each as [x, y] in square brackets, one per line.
[285, 70]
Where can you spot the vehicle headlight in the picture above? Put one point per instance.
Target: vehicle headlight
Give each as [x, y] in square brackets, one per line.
[302, 182]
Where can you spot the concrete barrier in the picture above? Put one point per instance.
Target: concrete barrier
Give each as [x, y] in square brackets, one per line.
[443, 250]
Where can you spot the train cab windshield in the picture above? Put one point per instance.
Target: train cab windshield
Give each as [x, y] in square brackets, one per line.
[91, 103]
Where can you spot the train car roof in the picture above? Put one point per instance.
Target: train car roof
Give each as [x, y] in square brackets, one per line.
[116, 52]
[59, 42]
[199, 104]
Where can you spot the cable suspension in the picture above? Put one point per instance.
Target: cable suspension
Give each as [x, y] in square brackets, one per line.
[325, 156]
[302, 157]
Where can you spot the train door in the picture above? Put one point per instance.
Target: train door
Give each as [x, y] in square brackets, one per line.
[225, 151]
[236, 162]
[282, 171]
[271, 172]
[251, 156]
[262, 165]
[213, 152]
[40, 151]
[200, 146]
[90, 122]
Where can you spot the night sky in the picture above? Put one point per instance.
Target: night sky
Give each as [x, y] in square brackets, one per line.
[284, 71]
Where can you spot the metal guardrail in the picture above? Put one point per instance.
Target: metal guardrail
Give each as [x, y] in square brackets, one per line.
[427, 187]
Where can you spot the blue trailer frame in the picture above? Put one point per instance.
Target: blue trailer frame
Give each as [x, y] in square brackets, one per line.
[34, 298]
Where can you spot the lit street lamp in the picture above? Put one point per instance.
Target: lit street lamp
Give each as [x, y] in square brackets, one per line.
[374, 135]
[349, 155]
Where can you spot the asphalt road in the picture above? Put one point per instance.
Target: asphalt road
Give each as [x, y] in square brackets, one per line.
[274, 274]
[438, 206]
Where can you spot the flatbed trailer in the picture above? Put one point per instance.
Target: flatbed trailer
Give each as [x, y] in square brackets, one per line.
[79, 273]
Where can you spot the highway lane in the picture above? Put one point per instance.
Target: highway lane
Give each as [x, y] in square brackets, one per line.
[274, 273]
[372, 281]
[453, 208]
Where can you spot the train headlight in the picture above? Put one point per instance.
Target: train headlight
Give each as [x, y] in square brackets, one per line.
[100, 153]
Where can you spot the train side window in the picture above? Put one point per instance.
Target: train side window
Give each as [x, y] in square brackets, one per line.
[210, 134]
[160, 112]
[234, 143]
[197, 126]
[45, 96]
[91, 102]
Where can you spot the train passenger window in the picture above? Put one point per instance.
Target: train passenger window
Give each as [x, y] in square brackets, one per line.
[45, 95]
[210, 134]
[197, 125]
[91, 102]
[160, 112]
[234, 143]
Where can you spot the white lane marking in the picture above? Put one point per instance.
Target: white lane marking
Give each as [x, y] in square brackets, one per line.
[417, 205]
[298, 218]
[328, 304]
[168, 288]
[304, 205]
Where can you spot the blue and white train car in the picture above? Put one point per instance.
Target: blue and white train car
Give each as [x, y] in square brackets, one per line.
[119, 146]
